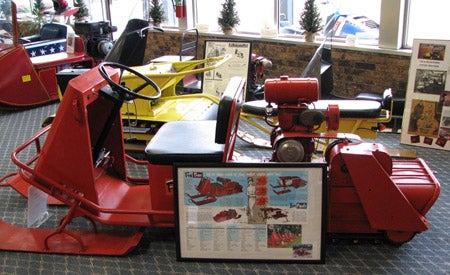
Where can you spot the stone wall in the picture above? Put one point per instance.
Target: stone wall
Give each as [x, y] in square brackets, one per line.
[354, 71]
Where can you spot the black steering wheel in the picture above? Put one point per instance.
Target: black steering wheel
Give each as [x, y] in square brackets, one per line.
[128, 94]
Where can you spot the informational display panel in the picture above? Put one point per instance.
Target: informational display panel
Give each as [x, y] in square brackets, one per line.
[251, 212]
[426, 118]
[214, 82]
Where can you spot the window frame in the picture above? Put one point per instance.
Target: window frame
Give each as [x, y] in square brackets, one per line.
[276, 20]
[402, 9]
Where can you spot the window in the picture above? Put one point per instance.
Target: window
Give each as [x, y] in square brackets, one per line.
[341, 17]
[354, 16]
[253, 14]
[427, 20]
[424, 19]
[207, 14]
[256, 15]
[122, 11]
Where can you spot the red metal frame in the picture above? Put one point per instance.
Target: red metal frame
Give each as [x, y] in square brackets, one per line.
[93, 187]
[368, 192]
[32, 81]
[371, 193]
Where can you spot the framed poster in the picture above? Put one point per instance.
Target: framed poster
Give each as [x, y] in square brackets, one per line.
[426, 118]
[214, 82]
[251, 212]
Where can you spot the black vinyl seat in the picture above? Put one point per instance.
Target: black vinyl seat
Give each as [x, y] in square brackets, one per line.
[129, 49]
[49, 31]
[193, 141]
[189, 45]
[189, 51]
[200, 141]
[365, 105]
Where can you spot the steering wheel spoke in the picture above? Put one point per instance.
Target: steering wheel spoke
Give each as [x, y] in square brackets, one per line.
[126, 92]
[140, 87]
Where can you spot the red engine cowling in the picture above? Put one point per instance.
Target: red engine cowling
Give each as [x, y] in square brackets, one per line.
[292, 138]
[293, 96]
[287, 90]
[369, 192]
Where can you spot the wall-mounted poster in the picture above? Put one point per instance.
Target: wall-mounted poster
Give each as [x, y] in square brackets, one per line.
[426, 118]
[214, 82]
[251, 212]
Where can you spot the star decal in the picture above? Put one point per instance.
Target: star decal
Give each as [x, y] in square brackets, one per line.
[33, 53]
[43, 51]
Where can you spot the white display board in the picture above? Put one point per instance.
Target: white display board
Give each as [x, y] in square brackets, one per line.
[214, 82]
[426, 118]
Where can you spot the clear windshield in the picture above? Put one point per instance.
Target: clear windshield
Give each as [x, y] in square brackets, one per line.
[6, 24]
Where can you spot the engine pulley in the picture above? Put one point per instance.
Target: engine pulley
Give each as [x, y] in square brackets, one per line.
[290, 150]
[311, 118]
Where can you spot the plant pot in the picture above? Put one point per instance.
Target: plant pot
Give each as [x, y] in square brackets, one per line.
[228, 31]
[310, 36]
[82, 19]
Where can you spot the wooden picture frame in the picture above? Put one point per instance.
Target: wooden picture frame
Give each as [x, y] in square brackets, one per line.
[251, 212]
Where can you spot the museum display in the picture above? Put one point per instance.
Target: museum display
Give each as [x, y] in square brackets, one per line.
[319, 179]
[96, 184]
[426, 119]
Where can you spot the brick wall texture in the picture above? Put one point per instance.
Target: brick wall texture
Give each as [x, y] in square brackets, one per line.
[353, 71]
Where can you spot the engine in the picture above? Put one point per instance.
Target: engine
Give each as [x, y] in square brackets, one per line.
[368, 192]
[292, 139]
[97, 37]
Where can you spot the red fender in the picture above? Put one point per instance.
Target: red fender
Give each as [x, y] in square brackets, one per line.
[25, 87]
[385, 205]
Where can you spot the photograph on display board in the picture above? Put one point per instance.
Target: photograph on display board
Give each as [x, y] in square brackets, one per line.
[444, 127]
[430, 81]
[426, 116]
[431, 51]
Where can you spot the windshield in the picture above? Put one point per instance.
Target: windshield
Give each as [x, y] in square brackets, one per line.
[6, 24]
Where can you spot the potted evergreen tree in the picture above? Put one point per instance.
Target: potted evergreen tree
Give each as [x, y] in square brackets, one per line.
[310, 20]
[38, 6]
[229, 17]
[156, 13]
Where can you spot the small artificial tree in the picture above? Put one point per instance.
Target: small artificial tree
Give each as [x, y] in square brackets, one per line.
[83, 13]
[310, 20]
[38, 6]
[156, 12]
[229, 17]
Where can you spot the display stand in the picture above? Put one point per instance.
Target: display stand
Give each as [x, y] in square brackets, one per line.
[215, 81]
[426, 118]
[251, 212]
